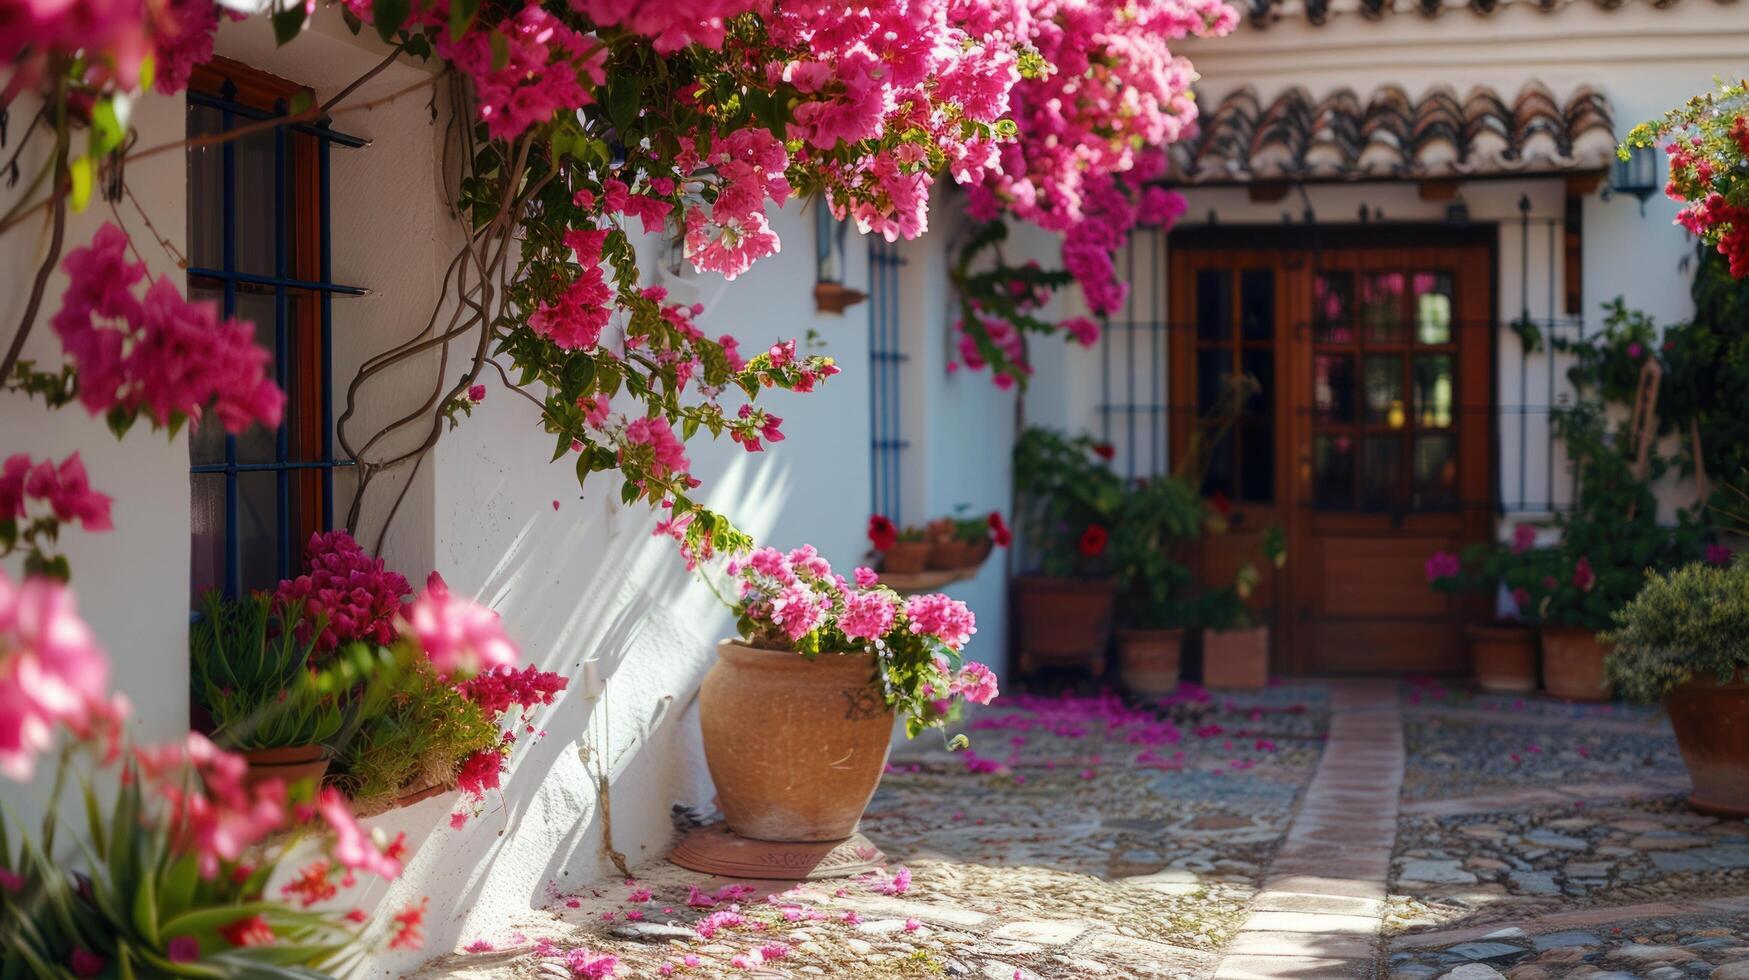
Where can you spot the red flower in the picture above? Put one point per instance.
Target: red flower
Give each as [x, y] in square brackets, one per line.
[409, 927]
[1092, 542]
[881, 532]
[999, 531]
[253, 931]
[1583, 578]
[1105, 451]
[1221, 504]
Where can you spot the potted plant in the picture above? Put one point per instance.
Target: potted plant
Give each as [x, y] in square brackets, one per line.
[797, 711]
[256, 682]
[903, 551]
[1235, 640]
[1503, 650]
[1065, 503]
[1609, 541]
[964, 543]
[1156, 518]
[1684, 641]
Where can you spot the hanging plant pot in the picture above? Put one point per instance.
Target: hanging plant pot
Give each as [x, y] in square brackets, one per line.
[289, 765]
[1573, 664]
[1711, 721]
[1148, 660]
[952, 553]
[1503, 656]
[1064, 622]
[795, 746]
[906, 557]
[1236, 658]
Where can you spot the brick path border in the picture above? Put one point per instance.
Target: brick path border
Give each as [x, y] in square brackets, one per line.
[1319, 910]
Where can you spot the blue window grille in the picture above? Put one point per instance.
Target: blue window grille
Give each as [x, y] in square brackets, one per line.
[1132, 405]
[259, 244]
[886, 361]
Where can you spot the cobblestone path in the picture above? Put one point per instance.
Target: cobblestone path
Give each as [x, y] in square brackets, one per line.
[1342, 829]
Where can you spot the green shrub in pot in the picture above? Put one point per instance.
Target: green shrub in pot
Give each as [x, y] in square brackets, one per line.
[1687, 624]
[1155, 520]
[253, 676]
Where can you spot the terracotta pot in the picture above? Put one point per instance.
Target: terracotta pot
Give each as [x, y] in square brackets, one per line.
[906, 557]
[1573, 664]
[1064, 622]
[978, 552]
[1148, 659]
[1236, 658]
[290, 764]
[795, 746]
[950, 554]
[1711, 721]
[1503, 656]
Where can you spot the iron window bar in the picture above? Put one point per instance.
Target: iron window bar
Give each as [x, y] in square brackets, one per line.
[233, 280]
[886, 361]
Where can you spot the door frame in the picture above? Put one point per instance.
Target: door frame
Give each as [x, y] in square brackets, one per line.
[1288, 591]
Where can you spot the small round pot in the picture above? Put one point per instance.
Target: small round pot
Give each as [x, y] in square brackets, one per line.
[1573, 664]
[1503, 656]
[906, 557]
[795, 746]
[1236, 658]
[950, 554]
[289, 765]
[1711, 721]
[1148, 659]
[1064, 622]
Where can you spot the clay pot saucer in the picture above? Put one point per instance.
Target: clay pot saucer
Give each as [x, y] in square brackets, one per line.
[715, 850]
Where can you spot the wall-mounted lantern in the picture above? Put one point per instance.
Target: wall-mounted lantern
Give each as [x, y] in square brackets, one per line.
[831, 264]
[1636, 176]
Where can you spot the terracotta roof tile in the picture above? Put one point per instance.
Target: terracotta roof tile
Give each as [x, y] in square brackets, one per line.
[1297, 137]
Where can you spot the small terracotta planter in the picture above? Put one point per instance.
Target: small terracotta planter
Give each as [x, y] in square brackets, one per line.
[1064, 622]
[906, 557]
[289, 765]
[1711, 721]
[1236, 658]
[952, 553]
[1503, 656]
[1573, 664]
[1149, 659]
[795, 746]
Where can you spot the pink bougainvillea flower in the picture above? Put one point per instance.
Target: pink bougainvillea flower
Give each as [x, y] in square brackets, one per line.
[590, 964]
[85, 963]
[253, 930]
[64, 488]
[1718, 554]
[355, 591]
[1442, 565]
[458, 634]
[1583, 577]
[407, 928]
[1523, 538]
[480, 772]
[52, 672]
[352, 845]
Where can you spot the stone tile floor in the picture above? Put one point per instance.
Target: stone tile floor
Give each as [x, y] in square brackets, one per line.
[1439, 834]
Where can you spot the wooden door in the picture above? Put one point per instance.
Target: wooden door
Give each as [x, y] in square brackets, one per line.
[1370, 442]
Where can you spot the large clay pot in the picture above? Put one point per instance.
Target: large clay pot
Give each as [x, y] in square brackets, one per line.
[1064, 622]
[1711, 721]
[906, 557]
[1573, 664]
[795, 746]
[1503, 656]
[1236, 658]
[1149, 659]
[289, 765]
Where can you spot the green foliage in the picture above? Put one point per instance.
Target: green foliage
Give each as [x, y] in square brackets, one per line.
[1061, 488]
[250, 671]
[128, 889]
[988, 288]
[1155, 522]
[1486, 567]
[413, 732]
[1610, 361]
[1706, 373]
[1693, 622]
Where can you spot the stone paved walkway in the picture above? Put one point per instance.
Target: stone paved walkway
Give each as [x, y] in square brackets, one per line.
[1348, 829]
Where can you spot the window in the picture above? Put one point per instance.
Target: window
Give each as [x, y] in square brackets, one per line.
[1235, 337]
[258, 246]
[1384, 391]
[886, 437]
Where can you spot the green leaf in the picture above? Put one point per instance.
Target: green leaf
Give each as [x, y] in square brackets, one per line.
[148, 72]
[461, 17]
[301, 101]
[622, 101]
[108, 129]
[80, 173]
[389, 15]
[287, 22]
[500, 49]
